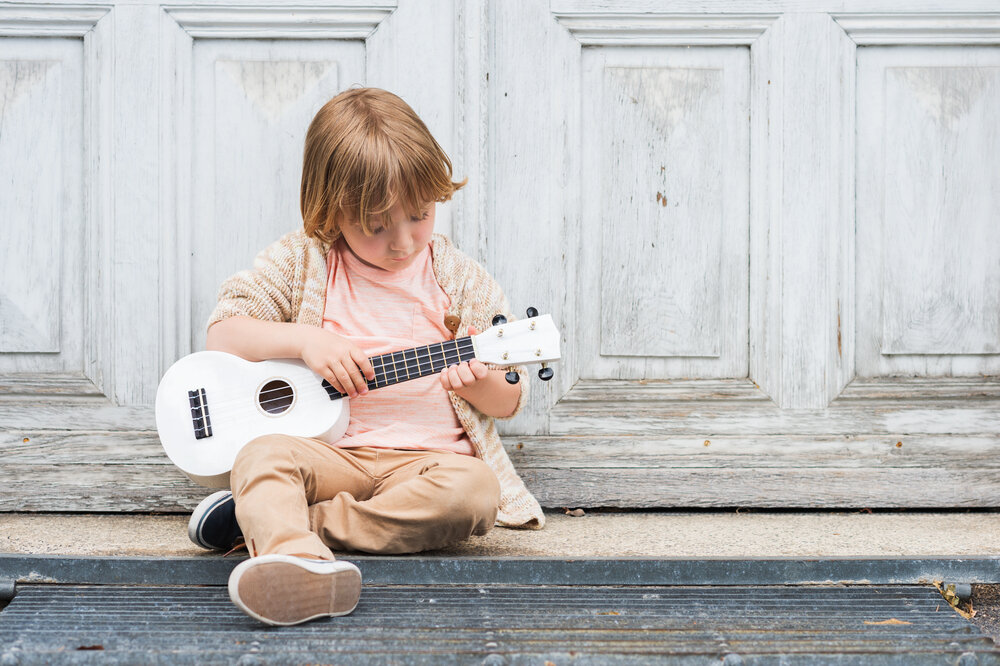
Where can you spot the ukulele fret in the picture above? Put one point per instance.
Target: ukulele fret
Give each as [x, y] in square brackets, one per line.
[451, 356]
[427, 362]
[410, 355]
[379, 368]
[400, 366]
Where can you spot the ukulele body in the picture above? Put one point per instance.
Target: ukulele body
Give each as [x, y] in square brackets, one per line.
[209, 405]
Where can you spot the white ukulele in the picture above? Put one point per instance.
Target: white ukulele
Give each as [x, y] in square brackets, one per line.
[210, 404]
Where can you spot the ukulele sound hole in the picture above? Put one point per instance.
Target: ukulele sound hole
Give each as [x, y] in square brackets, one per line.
[276, 397]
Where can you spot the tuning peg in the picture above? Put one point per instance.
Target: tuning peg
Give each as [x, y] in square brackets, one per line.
[546, 373]
[512, 377]
[532, 312]
[499, 319]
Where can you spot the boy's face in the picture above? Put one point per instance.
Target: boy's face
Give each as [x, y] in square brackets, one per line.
[394, 247]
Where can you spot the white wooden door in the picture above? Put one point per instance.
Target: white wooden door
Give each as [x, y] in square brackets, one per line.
[769, 230]
[147, 151]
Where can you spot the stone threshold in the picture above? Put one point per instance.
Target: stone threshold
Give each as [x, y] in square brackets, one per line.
[444, 570]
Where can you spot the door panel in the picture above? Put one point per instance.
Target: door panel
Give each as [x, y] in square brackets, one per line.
[665, 168]
[929, 192]
[41, 205]
[252, 105]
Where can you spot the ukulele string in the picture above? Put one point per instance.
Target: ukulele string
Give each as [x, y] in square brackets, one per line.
[391, 374]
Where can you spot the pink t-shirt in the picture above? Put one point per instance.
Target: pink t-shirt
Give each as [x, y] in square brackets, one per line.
[383, 311]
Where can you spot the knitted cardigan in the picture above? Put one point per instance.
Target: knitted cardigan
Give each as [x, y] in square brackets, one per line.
[288, 284]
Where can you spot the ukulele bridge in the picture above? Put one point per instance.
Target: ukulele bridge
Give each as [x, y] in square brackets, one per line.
[199, 414]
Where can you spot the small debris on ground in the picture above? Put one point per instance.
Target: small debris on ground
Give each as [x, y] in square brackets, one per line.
[576, 513]
[986, 598]
[964, 609]
[240, 545]
[891, 620]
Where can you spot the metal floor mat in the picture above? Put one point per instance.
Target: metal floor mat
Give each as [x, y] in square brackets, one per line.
[499, 624]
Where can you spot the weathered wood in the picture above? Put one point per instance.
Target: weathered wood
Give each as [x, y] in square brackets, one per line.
[47, 384]
[81, 448]
[127, 472]
[928, 147]
[97, 487]
[892, 7]
[764, 488]
[876, 417]
[656, 391]
[59, 448]
[744, 453]
[913, 389]
[626, 417]
[82, 414]
[134, 488]
[41, 92]
[562, 142]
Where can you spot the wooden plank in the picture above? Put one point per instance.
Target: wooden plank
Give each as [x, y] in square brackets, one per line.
[78, 415]
[762, 488]
[55, 471]
[144, 488]
[781, 452]
[80, 448]
[34, 384]
[874, 417]
[60, 448]
[630, 391]
[97, 487]
[908, 389]
[913, 389]
[766, 6]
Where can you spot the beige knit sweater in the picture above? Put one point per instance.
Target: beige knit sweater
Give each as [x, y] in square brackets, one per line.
[288, 283]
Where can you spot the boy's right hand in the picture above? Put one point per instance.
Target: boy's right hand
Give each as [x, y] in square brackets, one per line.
[338, 360]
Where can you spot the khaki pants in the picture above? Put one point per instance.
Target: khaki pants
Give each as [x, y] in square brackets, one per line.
[301, 496]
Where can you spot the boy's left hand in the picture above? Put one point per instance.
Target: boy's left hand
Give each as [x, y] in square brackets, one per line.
[464, 375]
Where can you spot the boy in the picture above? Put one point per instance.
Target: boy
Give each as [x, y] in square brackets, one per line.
[421, 464]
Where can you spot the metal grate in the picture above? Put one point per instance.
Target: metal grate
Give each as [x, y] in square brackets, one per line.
[499, 624]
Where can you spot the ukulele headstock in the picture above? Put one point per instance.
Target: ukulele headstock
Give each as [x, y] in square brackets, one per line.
[531, 340]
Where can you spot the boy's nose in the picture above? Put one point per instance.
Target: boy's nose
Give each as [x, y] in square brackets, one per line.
[400, 239]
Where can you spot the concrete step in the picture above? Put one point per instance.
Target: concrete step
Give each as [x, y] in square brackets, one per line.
[752, 534]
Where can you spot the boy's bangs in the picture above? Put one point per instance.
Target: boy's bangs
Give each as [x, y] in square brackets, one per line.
[382, 184]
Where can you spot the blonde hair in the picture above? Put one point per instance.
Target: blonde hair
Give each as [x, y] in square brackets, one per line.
[367, 151]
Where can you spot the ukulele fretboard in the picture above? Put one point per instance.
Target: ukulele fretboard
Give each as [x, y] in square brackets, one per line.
[407, 364]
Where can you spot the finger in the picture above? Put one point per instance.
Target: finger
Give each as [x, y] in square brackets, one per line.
[478, 369]
[332, 379]
[473, 331]
[360, 385]
[453, 378]
[447, 380]
[465, 374]
[363, 363]
[345, 381]
[358, 382]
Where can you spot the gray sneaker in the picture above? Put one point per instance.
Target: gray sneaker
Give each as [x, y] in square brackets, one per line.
[284, 589]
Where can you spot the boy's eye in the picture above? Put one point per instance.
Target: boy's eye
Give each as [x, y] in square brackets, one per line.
[420, 216]
[378, 230]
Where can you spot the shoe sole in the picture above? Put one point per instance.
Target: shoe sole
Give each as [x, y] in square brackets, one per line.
[282, 590]
[198, 518]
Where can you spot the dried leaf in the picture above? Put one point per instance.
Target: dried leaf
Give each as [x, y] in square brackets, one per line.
[948, 592]
[891, 620]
